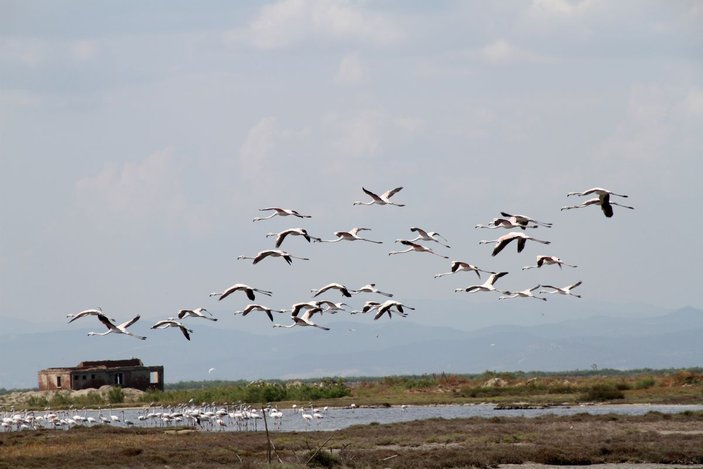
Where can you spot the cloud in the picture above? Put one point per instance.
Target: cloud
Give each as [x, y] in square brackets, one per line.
[139, 194]
[84, 50]
[287, 22]
[560, 8]
[351, 71]
[501, 52]
[258, 146]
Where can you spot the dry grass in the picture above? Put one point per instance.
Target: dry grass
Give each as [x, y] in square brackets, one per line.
[435, 443]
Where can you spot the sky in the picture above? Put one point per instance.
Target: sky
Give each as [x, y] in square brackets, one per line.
[138, 140]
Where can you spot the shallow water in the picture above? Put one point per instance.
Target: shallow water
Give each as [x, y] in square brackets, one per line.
[334, 418]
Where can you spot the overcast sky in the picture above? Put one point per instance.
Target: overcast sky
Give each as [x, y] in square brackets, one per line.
[139, 139]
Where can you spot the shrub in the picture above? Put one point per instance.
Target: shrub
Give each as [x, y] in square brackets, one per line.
[115, 395]
[603, 392]
[645, 383]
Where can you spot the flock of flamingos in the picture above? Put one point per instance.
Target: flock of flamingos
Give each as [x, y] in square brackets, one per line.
[301, 314]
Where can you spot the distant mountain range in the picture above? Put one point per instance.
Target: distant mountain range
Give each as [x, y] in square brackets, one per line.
[374, 348]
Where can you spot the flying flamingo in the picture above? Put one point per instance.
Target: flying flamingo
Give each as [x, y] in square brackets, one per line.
[305, 320]
[524, 220]
[257, 307]
[281, 212]
[508, 237]
[414, 247]
[241, 287]
[423, 235]
[85, 313]
[280, 236]
[273, 253]
[386, 306]
[603, 200]
[383, 199]
[351, 235]
[485, 286]
[508, 223]
[548, 260]
[595, 190]
[117, 329]
[332, 286]
[459, 266]
[371, 288]
[522, 294]
[562, 290]
[163, 324]
[195, 313]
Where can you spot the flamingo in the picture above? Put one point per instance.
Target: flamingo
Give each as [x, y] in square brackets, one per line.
[117, 329]
[595, 190]
[486, 286]
[84, 313]
[459, 266]
[330, 306]
[605, 204]
[305, 320]
[547, 260]
[196, 313]
[281, 212]
[273, 253]
[163, 324]
[524, 220]
[280, 236]
[386, 306]
[368, 306]
[414, 247]
[241, 287]
[383, 199]
[257, 307]
[508, 223]
[522, 294]
[423, 235]
[508, 237]
[330, 286]
[371, 288]
[298, 307]
[351, 235]
[562, 290]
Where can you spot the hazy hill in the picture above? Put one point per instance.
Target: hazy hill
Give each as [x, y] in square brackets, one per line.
[396, 346]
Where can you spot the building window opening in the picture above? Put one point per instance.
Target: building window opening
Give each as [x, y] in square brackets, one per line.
[85, 377]
[118, 379]
[154, 377]
[92, 376]
[58, 381]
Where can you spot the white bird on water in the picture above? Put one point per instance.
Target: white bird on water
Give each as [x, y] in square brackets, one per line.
[280, 236]
[241, 287]
[281, 212]
[562, 290]
[351, 235]
[527, 293]
[459, 266]
[414, 247]
[195, 313]
[508, 237]
[488, 285]
[423, 235]
[383, 199]
[117, 329]
[163, 324]
[288, 257]
[548, 260]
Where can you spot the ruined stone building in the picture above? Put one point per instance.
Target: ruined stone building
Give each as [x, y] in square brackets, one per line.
[130, 373]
